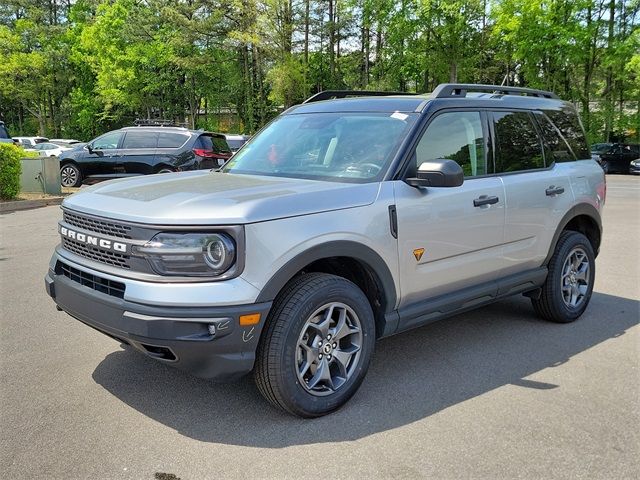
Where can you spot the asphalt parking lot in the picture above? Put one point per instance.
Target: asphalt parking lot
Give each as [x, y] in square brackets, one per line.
[495, 393]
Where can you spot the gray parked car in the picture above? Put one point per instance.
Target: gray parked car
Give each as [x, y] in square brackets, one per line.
[342, 222]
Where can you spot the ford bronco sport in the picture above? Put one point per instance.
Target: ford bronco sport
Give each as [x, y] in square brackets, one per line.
[341, 222]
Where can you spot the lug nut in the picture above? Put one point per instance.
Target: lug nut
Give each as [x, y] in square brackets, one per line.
[320, 356]
[329, 357]
[335, 344]
[329, 337]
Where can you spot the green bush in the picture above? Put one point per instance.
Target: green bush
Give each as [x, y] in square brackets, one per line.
[10, 170]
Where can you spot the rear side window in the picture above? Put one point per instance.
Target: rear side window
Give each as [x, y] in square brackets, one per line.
[137, 140]
[455, 136]
[171, 140]
[3, 132]
[570, 127]
[556, 148]
[518, 145]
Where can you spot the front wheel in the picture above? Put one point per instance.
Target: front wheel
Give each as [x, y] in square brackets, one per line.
[317, 345]
[567, 290]
[70, 175]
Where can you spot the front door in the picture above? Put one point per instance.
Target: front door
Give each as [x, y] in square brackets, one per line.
[450, 238]
[102, 156]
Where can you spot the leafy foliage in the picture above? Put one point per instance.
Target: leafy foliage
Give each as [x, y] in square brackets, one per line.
[79, 68]
[10, 170]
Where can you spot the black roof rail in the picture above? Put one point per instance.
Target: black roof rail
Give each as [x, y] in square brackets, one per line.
[157, 122]
[457, 90]
[334, 94]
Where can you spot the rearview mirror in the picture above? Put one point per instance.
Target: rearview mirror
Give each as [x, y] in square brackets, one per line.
[441, 172]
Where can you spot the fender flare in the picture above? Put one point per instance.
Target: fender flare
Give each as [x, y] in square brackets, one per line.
[338, 248]
[575, 211]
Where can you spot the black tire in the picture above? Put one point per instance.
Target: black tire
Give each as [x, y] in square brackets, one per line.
[277, 369]
[165, 170]
[70, 175]
[552, 305]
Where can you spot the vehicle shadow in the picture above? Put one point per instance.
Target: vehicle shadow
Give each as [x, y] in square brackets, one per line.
[412, 376]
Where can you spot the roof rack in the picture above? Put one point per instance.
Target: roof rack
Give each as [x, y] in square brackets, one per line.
[457, 90]
[334, 94]
[151, 122]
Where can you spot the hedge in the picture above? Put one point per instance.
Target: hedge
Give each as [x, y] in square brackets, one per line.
[10, 170]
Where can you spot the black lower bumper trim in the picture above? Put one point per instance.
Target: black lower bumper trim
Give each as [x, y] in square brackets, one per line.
[208, 342]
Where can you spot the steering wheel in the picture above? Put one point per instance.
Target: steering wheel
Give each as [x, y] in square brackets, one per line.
[369, 168]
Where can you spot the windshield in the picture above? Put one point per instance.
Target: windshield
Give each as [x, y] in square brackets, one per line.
[601, 147]
[348, 147]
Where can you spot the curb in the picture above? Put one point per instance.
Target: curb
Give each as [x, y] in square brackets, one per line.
[17, 205]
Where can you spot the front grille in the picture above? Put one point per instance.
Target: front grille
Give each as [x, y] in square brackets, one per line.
[97, 225]
[99, 284]
[103, 256]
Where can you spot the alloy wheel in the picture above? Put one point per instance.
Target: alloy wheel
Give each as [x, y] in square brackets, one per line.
[68, 176]
[328, 349]
[575, 277]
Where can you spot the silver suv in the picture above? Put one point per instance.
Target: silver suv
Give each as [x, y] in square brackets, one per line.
[343, 221]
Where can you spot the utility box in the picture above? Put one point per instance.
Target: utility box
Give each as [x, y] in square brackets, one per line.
[40, 175]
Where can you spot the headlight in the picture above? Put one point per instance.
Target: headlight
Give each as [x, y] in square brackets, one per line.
[190, 254]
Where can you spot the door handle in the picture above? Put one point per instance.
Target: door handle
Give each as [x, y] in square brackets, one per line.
[485, 200]
[553, 190]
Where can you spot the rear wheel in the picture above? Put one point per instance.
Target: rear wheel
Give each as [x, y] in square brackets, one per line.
[70, 175]
[567, 290]
[166, 170]
[317, 345]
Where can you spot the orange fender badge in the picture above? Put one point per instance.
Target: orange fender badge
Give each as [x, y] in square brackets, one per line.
[418, 252]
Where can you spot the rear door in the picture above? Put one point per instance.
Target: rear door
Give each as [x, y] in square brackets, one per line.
[450, 238]
[537, 187]
[138, 150]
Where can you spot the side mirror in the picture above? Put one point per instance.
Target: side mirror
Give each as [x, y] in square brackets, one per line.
[89, 148]
[438, 173]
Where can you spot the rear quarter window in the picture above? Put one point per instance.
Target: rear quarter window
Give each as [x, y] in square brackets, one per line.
[568, 123]
[556, 148]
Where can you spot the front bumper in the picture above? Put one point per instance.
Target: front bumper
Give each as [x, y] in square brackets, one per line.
[206, 341]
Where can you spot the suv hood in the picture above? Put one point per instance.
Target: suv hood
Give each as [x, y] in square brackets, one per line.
[206, 198]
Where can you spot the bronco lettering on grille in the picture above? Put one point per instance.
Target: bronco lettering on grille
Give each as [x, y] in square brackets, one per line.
[95, 241]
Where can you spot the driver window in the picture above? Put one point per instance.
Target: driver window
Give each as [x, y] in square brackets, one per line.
[108, 141]
[455, 136]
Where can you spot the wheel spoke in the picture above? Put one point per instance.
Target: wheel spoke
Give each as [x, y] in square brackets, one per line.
[583, 272]
[323, 374]
[322, 327]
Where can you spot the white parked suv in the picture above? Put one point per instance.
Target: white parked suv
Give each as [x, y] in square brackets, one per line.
[351, 217]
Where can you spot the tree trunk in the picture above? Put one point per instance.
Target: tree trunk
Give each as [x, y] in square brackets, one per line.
[453, 72]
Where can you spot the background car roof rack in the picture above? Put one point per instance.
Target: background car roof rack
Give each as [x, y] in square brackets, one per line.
[460, 90]
[334, 94]
[151, 122]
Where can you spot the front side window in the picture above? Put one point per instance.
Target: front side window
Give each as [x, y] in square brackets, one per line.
[455, 136]
[346, 147]
[518, 146]
[108, 141]
[139, 140]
